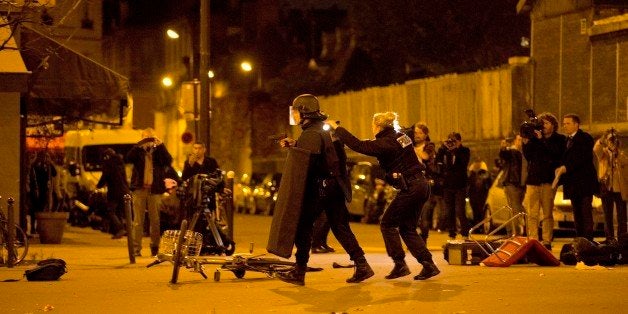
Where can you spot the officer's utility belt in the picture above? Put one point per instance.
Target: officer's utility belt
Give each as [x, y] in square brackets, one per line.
[401, 182]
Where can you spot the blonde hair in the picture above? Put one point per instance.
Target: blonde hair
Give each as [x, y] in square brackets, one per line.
[148, 132]
[385, 119]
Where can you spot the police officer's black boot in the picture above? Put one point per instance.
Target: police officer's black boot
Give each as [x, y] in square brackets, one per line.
[429, 270]
[296, 276]
[401, 269]
[362, 271]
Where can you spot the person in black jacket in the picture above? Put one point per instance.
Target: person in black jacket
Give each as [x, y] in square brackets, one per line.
[513, 180]
[454, 160]
[578, 175]
[39, 185]
[543, 152]
[151, 161]
[114, 177]
[396, 156]
[327, 188]
[425, 150]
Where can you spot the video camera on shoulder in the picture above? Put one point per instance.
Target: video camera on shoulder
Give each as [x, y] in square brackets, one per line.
[528, 128]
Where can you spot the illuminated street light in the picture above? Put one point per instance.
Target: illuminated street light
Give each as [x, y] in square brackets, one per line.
[166, 81]
[172, 34]
[246, 66]
[210, 74]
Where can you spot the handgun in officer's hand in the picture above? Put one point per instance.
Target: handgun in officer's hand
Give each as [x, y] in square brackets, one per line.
[277, 137]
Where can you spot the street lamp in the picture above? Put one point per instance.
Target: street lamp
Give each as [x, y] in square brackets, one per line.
[247, 66]
[197, 69]
[172, 34]
[167, 81]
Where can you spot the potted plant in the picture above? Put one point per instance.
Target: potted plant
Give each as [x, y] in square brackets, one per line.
[50, 226]
[50, 219]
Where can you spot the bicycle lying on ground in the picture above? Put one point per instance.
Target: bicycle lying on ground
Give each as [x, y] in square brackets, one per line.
[20, 242]
[183, 247]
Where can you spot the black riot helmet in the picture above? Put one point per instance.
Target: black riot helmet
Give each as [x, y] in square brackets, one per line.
[308, 107]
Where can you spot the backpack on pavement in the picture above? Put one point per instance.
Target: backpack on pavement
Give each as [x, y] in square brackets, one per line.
[47, 270]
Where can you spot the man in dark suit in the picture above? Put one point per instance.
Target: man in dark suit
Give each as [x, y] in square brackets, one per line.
[578, 175]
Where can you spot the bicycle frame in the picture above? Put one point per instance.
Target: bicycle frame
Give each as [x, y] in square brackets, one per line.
[13, 239]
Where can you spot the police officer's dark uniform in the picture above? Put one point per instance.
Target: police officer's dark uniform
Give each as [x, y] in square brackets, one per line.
[396, 156]
[325, 189]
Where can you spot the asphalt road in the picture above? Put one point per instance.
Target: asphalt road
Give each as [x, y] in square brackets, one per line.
[100, 279]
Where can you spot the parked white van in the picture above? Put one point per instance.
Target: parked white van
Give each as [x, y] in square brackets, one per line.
[83, 153]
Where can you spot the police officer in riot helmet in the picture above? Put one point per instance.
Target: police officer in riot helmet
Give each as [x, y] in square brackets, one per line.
[395, 153]
[326, 188]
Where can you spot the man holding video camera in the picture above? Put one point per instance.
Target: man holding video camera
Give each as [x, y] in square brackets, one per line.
[613, 179]
[454, 158]
[543, 148]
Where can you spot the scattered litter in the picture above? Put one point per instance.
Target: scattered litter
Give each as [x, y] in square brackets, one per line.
[541, 274]
[583, 266]
[48, 308]
[447, 290]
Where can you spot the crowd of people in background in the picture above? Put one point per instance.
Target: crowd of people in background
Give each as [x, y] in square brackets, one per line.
[533, 164]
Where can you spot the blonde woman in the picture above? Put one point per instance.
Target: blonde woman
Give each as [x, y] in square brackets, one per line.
[395, 153]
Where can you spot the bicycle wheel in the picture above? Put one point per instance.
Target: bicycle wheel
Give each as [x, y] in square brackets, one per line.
[177, 255]
[20, 244]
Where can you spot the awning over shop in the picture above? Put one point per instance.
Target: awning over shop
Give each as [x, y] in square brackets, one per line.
[13, 73]
[67, 84]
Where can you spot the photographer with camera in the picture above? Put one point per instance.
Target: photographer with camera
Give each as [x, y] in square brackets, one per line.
[454, 160]
[613, 178]
[543, 148]
[151, 161]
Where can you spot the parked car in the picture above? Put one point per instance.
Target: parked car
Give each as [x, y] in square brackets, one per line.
[562, 212]
[362, 184]
[265, 194]
[243, 199]
[362, 176]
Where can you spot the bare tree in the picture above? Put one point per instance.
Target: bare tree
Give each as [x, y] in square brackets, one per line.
[15, 13]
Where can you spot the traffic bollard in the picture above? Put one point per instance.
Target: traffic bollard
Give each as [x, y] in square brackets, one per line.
[128, 209]
[11, 233]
